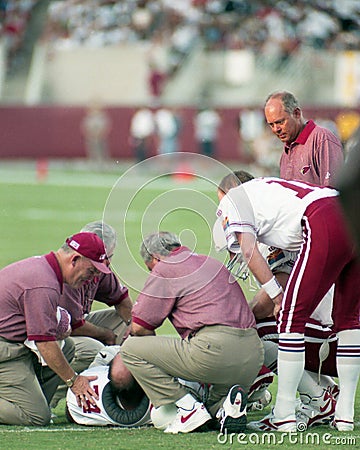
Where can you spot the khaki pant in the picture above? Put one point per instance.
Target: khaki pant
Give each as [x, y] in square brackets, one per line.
[26, 387]
[219, 355]
[86, 348]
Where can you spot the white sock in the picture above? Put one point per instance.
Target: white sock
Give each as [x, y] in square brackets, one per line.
[291, 361]
[308, 388]
[186, 402]
[348, 366]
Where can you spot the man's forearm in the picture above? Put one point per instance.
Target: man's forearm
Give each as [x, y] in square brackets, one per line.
[105, 335]
[254, 258]
[55, 359]
[124, 309]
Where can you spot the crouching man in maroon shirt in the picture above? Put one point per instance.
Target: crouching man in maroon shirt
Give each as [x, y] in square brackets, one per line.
[219, 343]
[29, 300]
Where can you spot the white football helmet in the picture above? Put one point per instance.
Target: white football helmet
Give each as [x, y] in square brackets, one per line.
[105, 355]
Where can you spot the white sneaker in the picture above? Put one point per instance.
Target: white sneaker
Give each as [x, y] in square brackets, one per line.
[232, 415]
[342, 425]
[271, 423]
[188, 420]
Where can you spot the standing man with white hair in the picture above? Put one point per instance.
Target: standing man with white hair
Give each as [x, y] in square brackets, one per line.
[102, 327]
[311, 153]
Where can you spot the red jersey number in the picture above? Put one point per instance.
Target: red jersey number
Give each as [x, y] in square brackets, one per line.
[92, 408]
[301, 192]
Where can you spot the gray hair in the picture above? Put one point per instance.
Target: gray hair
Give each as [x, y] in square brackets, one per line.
[161, 243]
[105, 232]
[234, 179]
[289, 101]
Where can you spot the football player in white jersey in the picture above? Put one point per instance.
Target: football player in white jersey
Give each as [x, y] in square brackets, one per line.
[299, 217]
[317, 389]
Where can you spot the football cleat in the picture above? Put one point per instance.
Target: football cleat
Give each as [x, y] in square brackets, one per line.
[188, 420]
[270, 423]
[316, 410]
[232, 415]
[334, 391]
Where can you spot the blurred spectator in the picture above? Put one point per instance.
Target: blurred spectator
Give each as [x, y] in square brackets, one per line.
[206, 125]
[156, 83]
[142, 19]
[251, 125]
[267, 153]
[317, 28]
[15, 16]
[158, 68]
[167, 125]
[95, 127]
[142, 129]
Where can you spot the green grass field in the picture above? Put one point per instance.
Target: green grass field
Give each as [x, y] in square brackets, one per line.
[37, 217]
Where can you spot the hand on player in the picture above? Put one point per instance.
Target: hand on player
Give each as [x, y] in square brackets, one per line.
[85, 395]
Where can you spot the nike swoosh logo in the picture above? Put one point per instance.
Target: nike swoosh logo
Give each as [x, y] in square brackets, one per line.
[186, 418]
[102, 355]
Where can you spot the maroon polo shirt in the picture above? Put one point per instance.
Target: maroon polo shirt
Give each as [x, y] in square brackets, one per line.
[29, 296]
[193, 291]
[105, 289]
[316, 156]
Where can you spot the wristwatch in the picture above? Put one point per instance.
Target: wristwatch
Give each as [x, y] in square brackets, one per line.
[69, 383]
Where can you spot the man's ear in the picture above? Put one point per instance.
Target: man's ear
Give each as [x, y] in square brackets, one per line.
[297, 113]
[74, 259]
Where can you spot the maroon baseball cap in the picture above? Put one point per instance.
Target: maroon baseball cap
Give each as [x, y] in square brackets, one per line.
[90, 246]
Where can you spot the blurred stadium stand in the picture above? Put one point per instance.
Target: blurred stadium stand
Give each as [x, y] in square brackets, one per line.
[62, 55]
